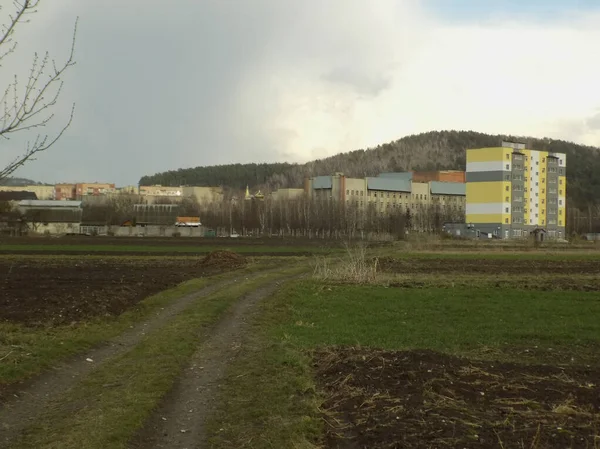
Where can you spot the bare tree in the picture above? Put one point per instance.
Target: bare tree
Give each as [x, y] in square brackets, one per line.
[30, 106]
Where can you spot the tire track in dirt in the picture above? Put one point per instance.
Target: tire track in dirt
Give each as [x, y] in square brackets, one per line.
[179, 422]
[29, 401]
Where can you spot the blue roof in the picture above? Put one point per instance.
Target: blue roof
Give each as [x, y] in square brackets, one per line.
[448, 188]
[398, 175]
[321, 182]
[390, 184]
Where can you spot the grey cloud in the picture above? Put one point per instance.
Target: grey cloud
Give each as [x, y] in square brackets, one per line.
[163, 85]
[362, 81]
[594, 122]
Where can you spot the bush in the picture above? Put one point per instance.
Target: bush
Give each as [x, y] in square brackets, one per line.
[356, 267]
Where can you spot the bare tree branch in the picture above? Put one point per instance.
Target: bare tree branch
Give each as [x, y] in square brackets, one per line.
[27, 107]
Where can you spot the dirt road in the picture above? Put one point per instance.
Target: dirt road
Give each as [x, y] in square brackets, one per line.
[180, 420]
[27, 403]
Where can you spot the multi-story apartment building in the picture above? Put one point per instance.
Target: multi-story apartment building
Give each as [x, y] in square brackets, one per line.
[78, 190]
[512, 190]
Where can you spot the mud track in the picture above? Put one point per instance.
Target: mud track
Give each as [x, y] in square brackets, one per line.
[179, 421]
[31, 399]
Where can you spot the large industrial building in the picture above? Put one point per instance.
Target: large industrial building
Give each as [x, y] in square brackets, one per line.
[512, 191]
[392, 191]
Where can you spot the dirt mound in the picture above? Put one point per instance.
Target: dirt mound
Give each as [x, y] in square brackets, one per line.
[424, 399]
[223, 259]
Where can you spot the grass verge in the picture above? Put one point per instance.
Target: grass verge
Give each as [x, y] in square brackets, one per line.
[115, 400]
[27, 351]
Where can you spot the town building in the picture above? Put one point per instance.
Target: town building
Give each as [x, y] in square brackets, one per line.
[512, 191]
[76, 191]
[390, 191]
[202, 194]
[51, 217]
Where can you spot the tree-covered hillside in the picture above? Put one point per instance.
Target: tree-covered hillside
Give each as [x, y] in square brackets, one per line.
[235, 176]
[436, 150]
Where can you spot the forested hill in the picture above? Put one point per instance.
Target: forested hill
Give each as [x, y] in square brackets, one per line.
[437, 150]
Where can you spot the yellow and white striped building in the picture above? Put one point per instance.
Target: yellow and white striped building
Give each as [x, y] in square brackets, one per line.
[512, 190]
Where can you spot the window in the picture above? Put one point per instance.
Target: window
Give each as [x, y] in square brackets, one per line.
[560, 202]
[537, 174]
[543, 180]
[560, 192]
[507, 156]
[536, 183]
[543, 201]
[536, 215]
[507, 167]
[543, 159]
[507, 199]
[506, 210]
[388, 194]
[425, 197]
[542, 211]
[369, 193]
[543, 191]
[507, 188]
[536, 194]
[543, 170]
[560, 182]
[537, 162]
[375, 194]
[560, 224]
[506, 220]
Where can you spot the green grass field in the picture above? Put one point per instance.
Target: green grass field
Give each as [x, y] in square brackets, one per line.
[278, 378]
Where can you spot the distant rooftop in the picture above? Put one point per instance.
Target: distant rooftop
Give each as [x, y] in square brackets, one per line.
[17, 195]
[390, 184]
[448, 188]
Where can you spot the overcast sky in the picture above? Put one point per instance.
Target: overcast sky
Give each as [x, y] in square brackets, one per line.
[168, 84]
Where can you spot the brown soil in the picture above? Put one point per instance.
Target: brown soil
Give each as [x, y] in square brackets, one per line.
[488, 266]
[67, 290]
[423, 399]
[223, 259]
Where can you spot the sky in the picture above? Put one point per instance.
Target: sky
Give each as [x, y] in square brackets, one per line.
[164, 85]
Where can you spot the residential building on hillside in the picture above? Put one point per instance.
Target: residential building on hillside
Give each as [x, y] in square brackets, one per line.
[512, 191]
[202, 194]
[158, 190]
